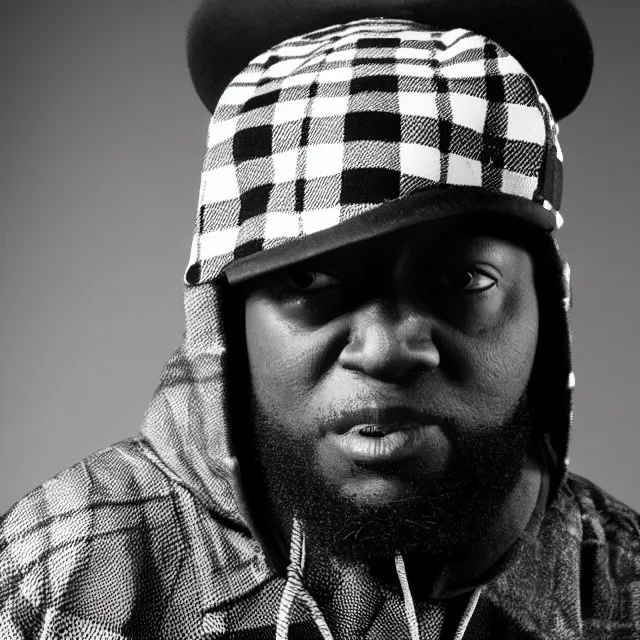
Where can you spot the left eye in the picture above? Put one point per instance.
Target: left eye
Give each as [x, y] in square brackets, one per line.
[309, 280]
[465, 280]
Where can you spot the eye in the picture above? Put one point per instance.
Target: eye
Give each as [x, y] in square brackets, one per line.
[309, 280]
[465, 280]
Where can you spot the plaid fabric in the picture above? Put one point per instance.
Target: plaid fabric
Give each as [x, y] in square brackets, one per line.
[327, 126]
[115, 548]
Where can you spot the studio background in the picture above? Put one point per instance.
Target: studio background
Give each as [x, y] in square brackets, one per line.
[102, 141]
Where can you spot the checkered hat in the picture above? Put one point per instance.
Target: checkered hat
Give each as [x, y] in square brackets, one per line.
[357, 129]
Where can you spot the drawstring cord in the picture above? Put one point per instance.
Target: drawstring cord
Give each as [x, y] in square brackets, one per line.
[294, 588]
[409, 607]
[466, 618]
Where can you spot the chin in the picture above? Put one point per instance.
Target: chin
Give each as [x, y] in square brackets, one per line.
[431, 504]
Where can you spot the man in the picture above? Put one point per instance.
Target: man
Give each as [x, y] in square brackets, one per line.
[364, 432]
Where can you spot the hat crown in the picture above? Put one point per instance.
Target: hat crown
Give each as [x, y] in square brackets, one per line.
[326, 126]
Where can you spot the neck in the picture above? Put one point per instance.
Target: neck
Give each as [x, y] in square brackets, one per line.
[487, 553]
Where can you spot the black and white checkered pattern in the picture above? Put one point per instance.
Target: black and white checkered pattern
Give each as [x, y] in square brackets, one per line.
[331, 124]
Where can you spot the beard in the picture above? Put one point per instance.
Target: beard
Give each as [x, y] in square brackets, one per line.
[438, 514]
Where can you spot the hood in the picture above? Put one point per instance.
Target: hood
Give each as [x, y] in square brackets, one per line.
[343, 134]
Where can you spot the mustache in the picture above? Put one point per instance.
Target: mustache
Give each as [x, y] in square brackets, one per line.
[340, 418]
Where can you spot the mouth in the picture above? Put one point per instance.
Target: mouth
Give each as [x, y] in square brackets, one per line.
[378, 422]
[380, 430]
[376, 444]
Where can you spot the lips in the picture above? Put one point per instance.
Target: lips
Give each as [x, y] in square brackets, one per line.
[381, 435]
[383, 444]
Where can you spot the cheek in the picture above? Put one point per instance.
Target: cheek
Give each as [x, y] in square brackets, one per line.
[505, 362]
[280, 363]
[524, 331]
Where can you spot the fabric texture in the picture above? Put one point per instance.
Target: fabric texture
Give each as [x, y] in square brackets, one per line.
[327, 126]
[157, 537]
[116, 548]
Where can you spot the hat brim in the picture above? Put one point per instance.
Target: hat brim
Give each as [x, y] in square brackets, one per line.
[468, 208]
[548, 37]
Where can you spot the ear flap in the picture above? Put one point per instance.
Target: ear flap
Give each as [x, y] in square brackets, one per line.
[549, 389]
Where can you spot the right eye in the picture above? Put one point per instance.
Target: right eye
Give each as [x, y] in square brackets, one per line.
[309, 280]
[466, 280]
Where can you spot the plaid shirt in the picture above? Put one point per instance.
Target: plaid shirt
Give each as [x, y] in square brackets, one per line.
[117, 547]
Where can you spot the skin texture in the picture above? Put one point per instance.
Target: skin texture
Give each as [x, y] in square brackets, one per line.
[434, 319]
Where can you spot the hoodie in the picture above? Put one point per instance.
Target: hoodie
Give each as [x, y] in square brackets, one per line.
[161, 535]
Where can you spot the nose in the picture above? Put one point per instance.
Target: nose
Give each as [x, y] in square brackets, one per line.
[389, 345]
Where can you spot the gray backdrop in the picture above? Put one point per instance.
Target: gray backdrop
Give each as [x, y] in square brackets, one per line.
[102, 140]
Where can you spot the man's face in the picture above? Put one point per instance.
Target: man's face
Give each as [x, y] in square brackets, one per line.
[389, 387]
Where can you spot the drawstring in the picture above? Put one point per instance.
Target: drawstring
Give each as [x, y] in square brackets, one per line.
[410, 610]
[294, 588]
[409, 607]
[466, 618]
